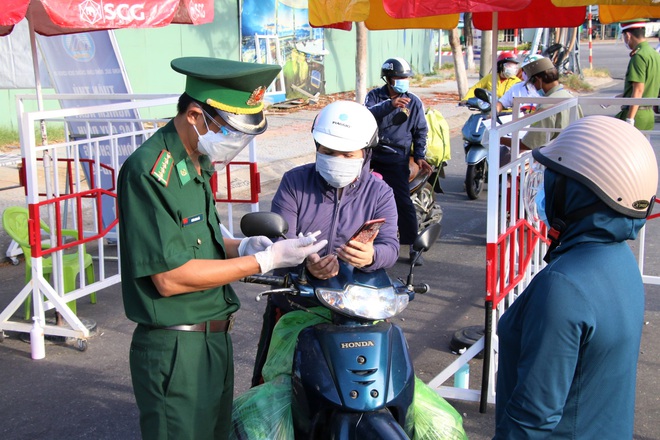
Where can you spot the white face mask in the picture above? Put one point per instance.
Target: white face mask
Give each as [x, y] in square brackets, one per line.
[223, 146]
[510, 71]
[338, 171]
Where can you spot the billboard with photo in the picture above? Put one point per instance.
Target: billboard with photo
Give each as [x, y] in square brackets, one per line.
[278, 32]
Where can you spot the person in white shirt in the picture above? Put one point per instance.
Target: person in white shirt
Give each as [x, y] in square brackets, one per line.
[522, 89]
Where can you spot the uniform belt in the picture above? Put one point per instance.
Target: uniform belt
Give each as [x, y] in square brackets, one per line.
[215, 326]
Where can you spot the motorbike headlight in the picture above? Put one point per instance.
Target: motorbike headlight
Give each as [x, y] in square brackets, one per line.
[364, 302]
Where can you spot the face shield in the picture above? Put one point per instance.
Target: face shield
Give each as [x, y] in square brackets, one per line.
[534, 193]
[222, 146]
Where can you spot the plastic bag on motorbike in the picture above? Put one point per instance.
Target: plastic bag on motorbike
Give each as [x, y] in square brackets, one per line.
[434, 418]
[264, 412]
[285, 336]
[437, 140]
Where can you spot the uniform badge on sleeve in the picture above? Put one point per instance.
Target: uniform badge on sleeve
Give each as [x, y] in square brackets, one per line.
[182, 169]
[163, 168]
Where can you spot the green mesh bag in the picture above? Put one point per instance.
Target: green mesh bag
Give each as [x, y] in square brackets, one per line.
[263, 412]
[285, 335]
[434, 417]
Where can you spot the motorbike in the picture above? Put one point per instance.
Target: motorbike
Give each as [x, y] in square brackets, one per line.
[422, 193]
[476, 149]
[352, 376]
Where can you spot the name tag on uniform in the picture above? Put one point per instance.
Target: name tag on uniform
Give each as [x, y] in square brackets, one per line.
[194, 219]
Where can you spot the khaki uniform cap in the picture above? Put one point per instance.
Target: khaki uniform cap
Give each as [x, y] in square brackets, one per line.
[610, 157]
[538, 66]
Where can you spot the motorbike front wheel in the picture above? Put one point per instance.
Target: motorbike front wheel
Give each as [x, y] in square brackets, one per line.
[474, 179]
[427, 210]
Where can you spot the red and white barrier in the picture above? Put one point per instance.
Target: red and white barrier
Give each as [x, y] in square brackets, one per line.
[515, 246]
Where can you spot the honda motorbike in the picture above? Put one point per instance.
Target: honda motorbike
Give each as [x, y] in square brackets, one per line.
[352, 376]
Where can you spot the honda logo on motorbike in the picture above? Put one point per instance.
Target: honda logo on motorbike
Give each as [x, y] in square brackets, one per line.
[93, 12]
[357, 344]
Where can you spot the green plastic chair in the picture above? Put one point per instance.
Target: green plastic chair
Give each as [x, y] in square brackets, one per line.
[15, 222]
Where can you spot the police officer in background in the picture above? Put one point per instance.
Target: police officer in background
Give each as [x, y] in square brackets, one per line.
[642, 77]
[176, 266]
[402, 132]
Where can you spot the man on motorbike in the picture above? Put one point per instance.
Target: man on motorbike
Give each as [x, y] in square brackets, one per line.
[507, 71]
[544, 77]
[522, 89]
[402, 132]
[335, 195]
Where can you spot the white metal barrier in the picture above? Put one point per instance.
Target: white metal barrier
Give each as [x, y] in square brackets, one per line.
[65, 189]
[515, 246]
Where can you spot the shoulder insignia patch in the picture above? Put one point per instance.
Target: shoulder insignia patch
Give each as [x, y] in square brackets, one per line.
[163, 168]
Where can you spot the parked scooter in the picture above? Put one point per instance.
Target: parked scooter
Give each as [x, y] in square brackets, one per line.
[422, 192]
[476, 153]
[352, 376]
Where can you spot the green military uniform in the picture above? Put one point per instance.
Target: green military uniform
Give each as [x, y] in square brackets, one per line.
[163, 227]
[536, 139]
[643, 67]
[183, 378]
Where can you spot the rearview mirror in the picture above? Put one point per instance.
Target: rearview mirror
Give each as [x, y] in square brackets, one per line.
[482, 94]
[427, 237]
[269, 224]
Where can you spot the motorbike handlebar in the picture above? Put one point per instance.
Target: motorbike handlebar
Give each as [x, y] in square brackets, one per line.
[270, 280]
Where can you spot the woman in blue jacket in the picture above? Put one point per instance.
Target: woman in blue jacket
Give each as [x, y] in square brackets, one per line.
[569, 344]
[335, 195]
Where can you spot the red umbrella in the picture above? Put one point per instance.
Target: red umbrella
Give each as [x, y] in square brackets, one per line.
[540, 13]
[426, 8]
[56, 17]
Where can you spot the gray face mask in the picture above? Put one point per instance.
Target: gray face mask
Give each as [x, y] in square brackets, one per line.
[338, 171]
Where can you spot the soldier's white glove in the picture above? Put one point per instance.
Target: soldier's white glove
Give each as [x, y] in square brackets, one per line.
[252, 245]
[630, 121]
[289, 253]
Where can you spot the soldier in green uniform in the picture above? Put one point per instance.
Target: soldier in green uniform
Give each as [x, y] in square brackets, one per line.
[176, 266]
[642, 77]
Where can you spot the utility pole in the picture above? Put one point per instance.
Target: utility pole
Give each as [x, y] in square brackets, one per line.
[362, 38]
[486, 58]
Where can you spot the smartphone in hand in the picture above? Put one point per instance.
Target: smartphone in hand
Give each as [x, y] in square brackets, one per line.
[367, 230]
